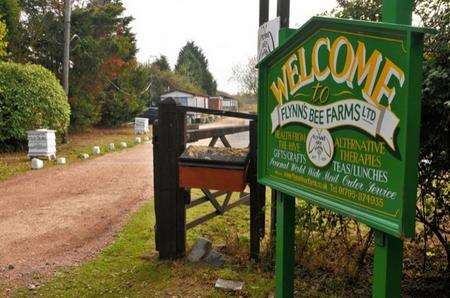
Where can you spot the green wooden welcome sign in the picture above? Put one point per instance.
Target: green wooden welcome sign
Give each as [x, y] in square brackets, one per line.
[339, 114]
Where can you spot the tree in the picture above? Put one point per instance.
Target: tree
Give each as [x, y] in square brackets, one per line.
[102, 48]
[161, 81]
[433, 208]
[3, 42]
[9, 14]
[193, 65]
[162, 63]
[246, 76]
[358, 9]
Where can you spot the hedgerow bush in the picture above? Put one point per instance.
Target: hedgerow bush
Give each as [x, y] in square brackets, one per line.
[30, 98]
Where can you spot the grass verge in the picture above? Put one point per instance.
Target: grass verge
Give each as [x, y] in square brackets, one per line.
[120, 270]
[80, 142]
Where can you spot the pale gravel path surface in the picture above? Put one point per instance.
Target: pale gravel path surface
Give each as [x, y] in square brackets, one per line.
[63, 215]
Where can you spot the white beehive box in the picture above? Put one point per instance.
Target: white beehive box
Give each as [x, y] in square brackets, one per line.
[141, 125]
[42, 143]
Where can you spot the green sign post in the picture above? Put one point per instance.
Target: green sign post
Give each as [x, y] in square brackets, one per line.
[339, 116]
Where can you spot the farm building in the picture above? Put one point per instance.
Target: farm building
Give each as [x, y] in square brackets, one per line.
[229, 103]
[188, 99]
[215, 103]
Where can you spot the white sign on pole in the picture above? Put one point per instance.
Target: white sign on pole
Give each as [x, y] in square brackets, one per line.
[268, 37]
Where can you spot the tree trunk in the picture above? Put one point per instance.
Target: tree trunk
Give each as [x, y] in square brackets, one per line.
[66, 62]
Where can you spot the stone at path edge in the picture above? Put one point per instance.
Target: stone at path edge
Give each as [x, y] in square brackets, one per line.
[61, 161]
[96, 150]
[37, 164]
[201, 247]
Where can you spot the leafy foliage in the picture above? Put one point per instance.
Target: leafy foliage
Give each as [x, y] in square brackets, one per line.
[126, 97]
[107, 85]
[246, 76]
[3, 42]
[193, 65]
[9, 14]
[162, 81]
[433, 208]
[30, 98]
[358, 9]
[162, 63]
[102, 48]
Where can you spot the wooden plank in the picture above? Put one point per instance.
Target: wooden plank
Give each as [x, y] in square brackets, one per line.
[225, 141]
[227, 200]
[204, 199]
[218, 112]
[263, 11]
[257, 198]
[212, 177]
[213, 142]
[213, 200]
[181, 195]
[206, 133]
[169, 197]
[284, 266]
[201, 220]
[211, 215]
[283, 8]
[156, 176]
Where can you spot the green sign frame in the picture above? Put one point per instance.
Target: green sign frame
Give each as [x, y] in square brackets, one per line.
[339, 119]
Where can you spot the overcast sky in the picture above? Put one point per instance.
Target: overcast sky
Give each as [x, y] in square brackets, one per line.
[226, 30]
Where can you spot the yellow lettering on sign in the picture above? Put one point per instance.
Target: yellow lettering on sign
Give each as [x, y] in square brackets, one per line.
[355, 67]
[304, 77]
[382, 88]
[340, 77]
[320, 74]
[280, 89]
[292, 72]
[365, 70]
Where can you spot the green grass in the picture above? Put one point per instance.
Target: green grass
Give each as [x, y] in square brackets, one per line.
[81, 142]
[120, 270]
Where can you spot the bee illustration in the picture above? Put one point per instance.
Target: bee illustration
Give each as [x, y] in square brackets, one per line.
[320, 147]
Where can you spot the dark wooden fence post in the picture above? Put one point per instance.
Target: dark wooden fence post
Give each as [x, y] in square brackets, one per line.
[170, 211]
[283, 11]
[257, 198]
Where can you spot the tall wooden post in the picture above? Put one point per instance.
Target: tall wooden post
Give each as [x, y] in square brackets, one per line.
[263, 11]
[397, 11]
[257, 198]
[66, 55]
[284, 268]
[67, 16]
[388, 258]
[169, 197]
[283, 11]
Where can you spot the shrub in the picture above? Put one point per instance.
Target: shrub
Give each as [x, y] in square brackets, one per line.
[85, 113]
[118, 109]
[3, 42]
[30, 98]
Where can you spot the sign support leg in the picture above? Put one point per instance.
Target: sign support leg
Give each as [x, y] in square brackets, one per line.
[388, 258]
[285, 229]
[387, 271]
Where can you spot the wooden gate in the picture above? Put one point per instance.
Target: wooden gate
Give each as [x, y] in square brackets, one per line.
[170, 137]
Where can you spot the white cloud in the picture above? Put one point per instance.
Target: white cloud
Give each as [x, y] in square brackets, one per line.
[225, 29]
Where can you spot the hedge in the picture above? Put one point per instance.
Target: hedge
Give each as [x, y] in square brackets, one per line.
[31, 97]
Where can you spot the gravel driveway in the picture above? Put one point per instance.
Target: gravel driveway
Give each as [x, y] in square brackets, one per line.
[62, 215]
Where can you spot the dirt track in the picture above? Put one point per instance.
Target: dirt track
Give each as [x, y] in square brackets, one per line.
[62, 215]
